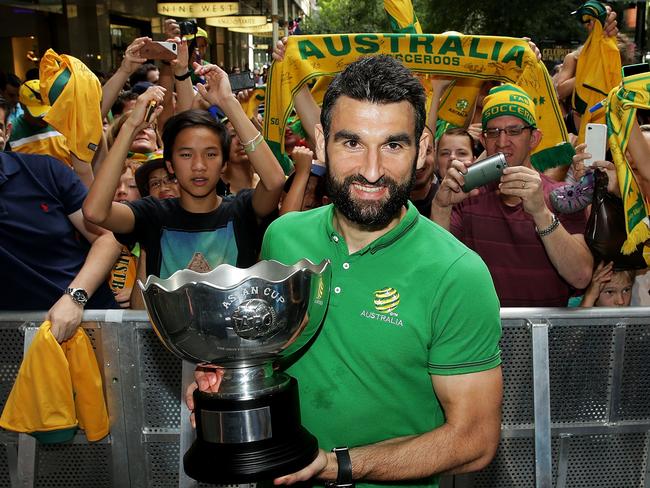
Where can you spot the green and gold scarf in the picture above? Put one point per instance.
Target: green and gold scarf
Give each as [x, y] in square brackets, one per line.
[481, 57]
[622, 104]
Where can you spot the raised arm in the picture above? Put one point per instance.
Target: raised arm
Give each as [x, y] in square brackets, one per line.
[306, 107]
[132, 61]
[218, 92]
[302, 160]
[99, 207]
[184, 89]
[466, 441]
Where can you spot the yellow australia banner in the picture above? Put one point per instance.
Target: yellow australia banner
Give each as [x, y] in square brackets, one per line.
[484, 57]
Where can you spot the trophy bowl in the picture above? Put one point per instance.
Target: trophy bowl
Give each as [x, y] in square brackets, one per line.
[243, 321]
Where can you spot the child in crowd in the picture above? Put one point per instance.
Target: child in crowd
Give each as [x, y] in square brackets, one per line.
[123, 274]
[199, 230]
[609, 287]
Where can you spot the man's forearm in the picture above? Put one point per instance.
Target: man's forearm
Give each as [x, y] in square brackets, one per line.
[101, 257]
[441, 215]
[446, 449]
[111, 90]
[568, 253]
[308, 111]
[97, 206]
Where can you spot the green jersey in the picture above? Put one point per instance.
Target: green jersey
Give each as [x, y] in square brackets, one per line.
[413, 303]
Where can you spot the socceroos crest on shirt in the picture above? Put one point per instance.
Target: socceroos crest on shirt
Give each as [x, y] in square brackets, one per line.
[385, 300]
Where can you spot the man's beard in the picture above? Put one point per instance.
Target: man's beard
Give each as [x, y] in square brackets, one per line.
[369, 214]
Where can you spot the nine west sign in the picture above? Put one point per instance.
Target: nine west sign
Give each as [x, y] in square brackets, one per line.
[198, 10]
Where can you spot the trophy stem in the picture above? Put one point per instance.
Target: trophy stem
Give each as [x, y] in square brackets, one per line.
[250, 382]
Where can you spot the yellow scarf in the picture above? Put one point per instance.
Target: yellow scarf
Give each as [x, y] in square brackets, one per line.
[57, 388]
[621, 114]
[483, 57]
[459, 99]
[598, 69]
[402, 16]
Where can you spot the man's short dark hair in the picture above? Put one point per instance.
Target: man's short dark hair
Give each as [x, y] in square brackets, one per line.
[377, 79]
[188, 120]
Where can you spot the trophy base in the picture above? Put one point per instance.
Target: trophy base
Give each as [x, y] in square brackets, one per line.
[242, 441]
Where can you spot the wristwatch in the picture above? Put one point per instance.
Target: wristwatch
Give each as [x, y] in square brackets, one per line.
[78, 295]
[344, 475]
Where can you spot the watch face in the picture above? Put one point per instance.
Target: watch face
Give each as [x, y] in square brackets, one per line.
[79, 296]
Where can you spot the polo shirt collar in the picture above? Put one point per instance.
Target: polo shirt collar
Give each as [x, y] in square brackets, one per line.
[407, 222]
[8, 166]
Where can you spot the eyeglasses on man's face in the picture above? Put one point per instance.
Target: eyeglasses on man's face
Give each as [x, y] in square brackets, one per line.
[511, 130]
[156, 183]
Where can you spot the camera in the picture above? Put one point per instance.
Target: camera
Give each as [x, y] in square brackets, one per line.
[188, 27]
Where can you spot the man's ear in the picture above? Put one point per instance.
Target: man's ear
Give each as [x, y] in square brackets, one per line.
[423, 145]
[170, 168]
[320, 142]
[535, 138]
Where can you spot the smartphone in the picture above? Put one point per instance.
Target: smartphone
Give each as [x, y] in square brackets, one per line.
[166, 51]
[241, 81]
[635, 69]
[484, 172]
[596, 140]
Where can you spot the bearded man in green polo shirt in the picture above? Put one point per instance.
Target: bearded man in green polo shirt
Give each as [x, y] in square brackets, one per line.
[405, 371]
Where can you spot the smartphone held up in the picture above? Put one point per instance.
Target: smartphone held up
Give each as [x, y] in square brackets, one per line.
[485, 171]
[596, 140]
[162, 50]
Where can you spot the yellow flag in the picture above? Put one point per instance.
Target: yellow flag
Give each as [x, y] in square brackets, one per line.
[598, 69]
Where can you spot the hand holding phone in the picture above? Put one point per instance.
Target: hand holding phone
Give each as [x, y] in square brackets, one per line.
[484, 172]
[163, 50]
[596, 140]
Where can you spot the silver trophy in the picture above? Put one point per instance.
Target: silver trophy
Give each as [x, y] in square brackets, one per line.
[245, 321]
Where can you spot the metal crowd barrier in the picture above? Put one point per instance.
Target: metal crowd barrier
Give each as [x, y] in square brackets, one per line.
[576, 409]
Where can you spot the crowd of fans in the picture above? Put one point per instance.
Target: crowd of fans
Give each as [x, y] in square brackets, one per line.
[184, 178]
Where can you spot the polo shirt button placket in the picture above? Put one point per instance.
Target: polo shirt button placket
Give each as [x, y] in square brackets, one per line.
[346, 265]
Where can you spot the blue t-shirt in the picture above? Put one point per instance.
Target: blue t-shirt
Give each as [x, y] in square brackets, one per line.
[40, 250]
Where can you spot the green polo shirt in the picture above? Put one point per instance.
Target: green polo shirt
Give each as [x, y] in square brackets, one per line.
[413, 303]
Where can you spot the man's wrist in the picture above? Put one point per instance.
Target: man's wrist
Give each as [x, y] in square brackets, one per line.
[229, 105]
[343, 464]
[78, 295]
[436, 204]
[544, 219]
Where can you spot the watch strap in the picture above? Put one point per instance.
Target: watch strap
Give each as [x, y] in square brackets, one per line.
[183, 77]
[344, 475]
